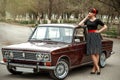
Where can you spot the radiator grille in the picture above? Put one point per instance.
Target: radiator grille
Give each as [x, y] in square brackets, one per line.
[24, 55]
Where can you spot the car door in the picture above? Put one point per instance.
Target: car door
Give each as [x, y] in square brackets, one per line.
[80, 44]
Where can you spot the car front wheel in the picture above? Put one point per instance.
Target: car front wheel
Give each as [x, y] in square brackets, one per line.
[102, 61]
[61, 71]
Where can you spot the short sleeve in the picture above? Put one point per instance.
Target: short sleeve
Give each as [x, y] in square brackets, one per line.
[100, 22]
[85, 23]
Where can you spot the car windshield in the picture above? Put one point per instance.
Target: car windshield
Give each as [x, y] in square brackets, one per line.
[57, 34]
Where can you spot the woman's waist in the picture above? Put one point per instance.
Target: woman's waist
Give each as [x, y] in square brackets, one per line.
[92, 30]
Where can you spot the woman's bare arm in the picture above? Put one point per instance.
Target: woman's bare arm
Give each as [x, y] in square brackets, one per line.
[102, 29]
[82, 22]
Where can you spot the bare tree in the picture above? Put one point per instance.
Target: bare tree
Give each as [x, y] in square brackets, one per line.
[112, 3]
[3, 4]
[115, 4]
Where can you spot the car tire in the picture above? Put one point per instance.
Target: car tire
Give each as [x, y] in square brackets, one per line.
[102, 60]
[12, 70]
[61, 71]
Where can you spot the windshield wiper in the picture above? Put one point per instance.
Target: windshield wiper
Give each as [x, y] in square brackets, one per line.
[47, 39]
[34, 39]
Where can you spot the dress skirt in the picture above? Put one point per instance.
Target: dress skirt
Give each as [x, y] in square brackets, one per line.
[94, 45]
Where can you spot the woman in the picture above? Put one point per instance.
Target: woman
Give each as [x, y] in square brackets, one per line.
[93, 37]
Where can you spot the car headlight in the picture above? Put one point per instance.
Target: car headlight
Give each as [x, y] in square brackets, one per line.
[43, 57]
[46, 57]
[10, 55]
[39, 56]
[6, 54]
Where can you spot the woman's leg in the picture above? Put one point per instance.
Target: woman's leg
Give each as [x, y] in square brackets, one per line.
[94, 69]
[97, 56]
[95, 61]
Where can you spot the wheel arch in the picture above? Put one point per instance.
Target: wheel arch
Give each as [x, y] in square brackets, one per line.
[65, 57]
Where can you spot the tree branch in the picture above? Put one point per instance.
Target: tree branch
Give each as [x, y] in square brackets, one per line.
[113, 5]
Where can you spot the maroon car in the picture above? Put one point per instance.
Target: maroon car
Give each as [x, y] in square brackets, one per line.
[55, 48]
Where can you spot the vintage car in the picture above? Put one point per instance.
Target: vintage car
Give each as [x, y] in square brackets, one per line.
[55, 48]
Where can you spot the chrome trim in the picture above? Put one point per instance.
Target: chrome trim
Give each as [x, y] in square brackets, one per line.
[29, 66]
[31, 53]
[23, 50]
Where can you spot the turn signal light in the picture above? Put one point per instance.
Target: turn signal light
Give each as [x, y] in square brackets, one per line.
[4, 59]
[47, 64]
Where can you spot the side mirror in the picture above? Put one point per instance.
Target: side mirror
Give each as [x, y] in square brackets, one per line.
[77, 40]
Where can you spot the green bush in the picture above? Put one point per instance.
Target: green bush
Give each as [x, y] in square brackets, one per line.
[69, 21]
[112, 33]
[53, 21]
[27, 22]
[44, 21]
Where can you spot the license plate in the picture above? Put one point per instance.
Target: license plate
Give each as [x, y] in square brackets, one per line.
[24, 69]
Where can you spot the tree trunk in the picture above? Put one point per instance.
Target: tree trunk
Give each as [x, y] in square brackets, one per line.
[118, 29]
[50, 9]
[108, 19]
[119, 26]
[3, 12]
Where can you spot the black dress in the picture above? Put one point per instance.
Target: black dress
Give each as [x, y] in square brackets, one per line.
[94, 45]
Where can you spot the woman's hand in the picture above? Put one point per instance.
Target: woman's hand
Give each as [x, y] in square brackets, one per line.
[87, 17]
[77, 26]
[82, 22]
[102, 29]
[97, 31]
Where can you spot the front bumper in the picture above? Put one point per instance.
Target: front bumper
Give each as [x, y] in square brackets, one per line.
[29, 66]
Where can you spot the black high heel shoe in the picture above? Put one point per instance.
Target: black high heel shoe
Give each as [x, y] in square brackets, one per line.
[92, 72]
[98, 72]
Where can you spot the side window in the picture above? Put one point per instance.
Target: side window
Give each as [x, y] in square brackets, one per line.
[67, 35]
[79, 35]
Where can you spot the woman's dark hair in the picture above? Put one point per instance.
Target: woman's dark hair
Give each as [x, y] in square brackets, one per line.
[93, 10]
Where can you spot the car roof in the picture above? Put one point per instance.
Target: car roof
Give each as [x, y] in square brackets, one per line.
[59, 25]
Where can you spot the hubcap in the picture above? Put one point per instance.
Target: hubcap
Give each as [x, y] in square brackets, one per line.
[61, 70]
[102, 59]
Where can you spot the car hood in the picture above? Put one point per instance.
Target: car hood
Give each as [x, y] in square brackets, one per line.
[43, 46]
